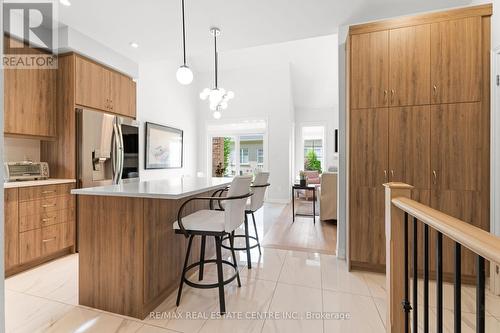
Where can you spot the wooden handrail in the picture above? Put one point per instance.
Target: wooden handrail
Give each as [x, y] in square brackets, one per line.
[475, 239]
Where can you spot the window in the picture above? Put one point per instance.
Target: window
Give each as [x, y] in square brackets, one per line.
[315, 145]
[244, 157]
[260, 156]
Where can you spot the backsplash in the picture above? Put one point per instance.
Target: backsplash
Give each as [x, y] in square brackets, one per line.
[16, 149]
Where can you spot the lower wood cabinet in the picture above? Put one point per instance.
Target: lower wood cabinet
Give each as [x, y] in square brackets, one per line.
[39, 224]
[11, 228]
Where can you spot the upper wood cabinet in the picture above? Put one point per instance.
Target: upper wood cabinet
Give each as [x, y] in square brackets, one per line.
[369, 163]
[409, 145]
[369, 70]
[456, 147]
[410, 67]
[456, 61]
[92, 84]
[104, 89]
[30, 102]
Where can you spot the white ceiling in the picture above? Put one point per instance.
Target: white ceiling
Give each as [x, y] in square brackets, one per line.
[156, 24]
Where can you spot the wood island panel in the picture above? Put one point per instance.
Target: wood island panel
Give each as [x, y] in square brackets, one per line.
[130, 257]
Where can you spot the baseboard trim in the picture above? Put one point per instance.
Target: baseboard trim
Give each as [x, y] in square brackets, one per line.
[278, 201]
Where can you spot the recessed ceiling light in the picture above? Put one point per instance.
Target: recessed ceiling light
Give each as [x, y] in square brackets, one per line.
[65, 2]
[134, 45]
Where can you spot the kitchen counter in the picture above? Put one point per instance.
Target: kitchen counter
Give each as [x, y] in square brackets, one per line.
[172, 188]
[29, 183]
[130, 258]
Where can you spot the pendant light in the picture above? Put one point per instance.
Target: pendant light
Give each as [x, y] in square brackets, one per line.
[218, 97]
[184, 74]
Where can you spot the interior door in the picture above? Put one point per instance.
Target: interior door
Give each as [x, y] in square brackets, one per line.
[369, 147]
[456, 147]
[410, 65]
[456, 74]
[369, 70]
[409, 145]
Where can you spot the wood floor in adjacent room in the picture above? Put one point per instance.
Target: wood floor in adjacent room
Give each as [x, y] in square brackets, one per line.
[303, 234]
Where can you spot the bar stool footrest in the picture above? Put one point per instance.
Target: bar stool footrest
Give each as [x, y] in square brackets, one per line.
[211, 285]
[240, 248]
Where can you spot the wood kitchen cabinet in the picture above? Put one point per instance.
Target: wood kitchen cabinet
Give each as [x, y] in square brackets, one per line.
[11, 229]
[367, 163]
[410, 68]
[456, 146]
[435, 135]
[101, 88]
[369, 70]
[30, 102]
[409, 145]
[39, 225]
[456, 60]
[92, 84]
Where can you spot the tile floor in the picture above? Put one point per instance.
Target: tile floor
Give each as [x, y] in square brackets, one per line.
[285, 291]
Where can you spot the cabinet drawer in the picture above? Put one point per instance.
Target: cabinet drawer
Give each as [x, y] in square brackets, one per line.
[42, 206]
[41, 192]
[57, 237]
[44, 219]
[41, 242]
[29, 245]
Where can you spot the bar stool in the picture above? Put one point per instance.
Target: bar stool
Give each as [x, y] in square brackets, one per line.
[258, 189]
[217, 223]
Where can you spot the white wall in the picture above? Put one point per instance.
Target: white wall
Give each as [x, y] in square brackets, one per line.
[260, 93]
[162, 100]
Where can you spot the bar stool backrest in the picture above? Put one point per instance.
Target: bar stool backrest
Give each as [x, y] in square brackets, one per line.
[257, 199]
[234, 210]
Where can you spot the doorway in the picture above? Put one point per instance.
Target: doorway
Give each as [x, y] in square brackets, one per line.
[237, 154]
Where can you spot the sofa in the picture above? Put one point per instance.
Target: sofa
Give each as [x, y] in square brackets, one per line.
[328, 196]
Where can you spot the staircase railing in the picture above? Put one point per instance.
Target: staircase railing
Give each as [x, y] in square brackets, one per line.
[399, 208]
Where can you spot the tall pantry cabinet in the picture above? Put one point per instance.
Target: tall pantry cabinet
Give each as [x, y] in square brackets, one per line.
[419, 114]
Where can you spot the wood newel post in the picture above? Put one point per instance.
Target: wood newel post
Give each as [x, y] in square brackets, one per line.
[394, 233]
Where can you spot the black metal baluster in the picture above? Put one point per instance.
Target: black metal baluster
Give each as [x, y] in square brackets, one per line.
[480, 319]
[458, 289]
[426, 278]
[415, 275]
[406, 304]
[439, 283]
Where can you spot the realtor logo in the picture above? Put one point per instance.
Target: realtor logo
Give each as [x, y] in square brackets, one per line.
[30, 27]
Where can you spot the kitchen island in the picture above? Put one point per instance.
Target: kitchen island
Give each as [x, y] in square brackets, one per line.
[130, 258]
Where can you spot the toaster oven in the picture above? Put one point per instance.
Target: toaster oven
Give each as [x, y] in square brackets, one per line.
[18, 171]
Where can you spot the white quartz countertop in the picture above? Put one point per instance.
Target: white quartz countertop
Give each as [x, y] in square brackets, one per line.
[172, 188]
[29, 183]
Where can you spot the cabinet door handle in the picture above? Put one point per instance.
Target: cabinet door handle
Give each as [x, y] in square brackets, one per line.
[47, 206]
[385, 95]
[385, 175]
[392, 174]
[48, 192]
[434, 173]
[49, 240]
[435, 88]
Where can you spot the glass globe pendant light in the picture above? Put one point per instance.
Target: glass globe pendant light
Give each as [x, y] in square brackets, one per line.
[218, 98]
[184, 74]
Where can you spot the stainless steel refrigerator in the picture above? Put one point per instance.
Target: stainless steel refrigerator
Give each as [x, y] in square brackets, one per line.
[107, 148]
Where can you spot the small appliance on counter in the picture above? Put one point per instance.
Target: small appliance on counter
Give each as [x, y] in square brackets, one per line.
[26, 170]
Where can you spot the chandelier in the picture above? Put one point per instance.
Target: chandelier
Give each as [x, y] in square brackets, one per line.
[217, 97]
